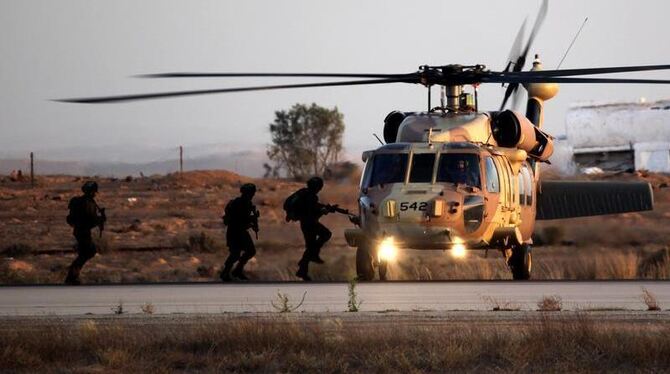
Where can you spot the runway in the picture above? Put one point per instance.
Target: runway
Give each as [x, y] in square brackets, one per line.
[206, 298]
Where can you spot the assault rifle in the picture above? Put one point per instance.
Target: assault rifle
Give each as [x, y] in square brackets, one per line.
[103, 219]
[336, 209]
[255, 214]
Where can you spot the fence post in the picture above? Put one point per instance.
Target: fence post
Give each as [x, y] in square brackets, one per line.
[32, 169]
[181, 160]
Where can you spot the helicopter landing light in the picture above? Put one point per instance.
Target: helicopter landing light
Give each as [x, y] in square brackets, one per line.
[438, 207]
[387, 251]
[390, 209]
[458, 249]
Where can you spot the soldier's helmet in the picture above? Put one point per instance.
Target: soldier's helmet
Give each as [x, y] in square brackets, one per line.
[89, 187]
[315, 184]
[248, 189]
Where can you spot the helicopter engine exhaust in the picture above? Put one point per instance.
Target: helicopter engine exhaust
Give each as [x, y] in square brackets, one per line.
[392, 124]
[513, 130]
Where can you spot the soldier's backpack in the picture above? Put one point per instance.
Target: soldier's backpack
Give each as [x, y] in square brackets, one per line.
[226, 213]
[76, 207]
[294, 205]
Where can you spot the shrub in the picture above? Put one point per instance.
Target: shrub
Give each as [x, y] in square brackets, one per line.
[550, 304]
[650, 300]
[283, 303]
[17, 250]
[353, 305]
[202, 242]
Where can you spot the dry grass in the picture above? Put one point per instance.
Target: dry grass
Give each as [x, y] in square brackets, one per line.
[148, 308]
[500, 305]
[283, 303]
[650, 300]
[332, 346]
[550, 304]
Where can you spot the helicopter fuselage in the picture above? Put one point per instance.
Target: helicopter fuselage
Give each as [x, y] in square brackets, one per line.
[447, 185]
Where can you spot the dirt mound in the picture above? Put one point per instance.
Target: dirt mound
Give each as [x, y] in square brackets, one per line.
[18, 265]
[207, 178]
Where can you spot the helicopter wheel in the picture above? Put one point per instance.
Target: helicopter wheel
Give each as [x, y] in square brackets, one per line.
[365, 269]
[520, 262]
[383, 270]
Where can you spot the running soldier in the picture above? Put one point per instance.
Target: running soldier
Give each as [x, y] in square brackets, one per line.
[303, 205]
[85, 214]
[240, 215]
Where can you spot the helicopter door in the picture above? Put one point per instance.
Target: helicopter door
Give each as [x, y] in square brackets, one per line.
[506, 198]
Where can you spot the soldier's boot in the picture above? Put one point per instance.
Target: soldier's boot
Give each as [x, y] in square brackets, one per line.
[303, 271]
[239, 272]
[225, 273]
[73, 276]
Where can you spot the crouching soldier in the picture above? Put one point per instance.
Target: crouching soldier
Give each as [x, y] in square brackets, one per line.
[84, 215]
[240, 215]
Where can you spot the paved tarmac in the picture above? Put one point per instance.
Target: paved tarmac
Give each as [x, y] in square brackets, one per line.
[205, 298]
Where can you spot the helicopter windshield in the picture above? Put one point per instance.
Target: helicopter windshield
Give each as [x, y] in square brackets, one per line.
[462, 168]
[422, 168]
[388, 168]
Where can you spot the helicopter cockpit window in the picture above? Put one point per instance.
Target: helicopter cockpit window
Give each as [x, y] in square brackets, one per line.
[422, 168]
[462, 168]
[492, 180]
[388, 168]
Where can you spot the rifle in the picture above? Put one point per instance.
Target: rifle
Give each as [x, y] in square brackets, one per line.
[103, 219]
[255, 214]
[336, 209]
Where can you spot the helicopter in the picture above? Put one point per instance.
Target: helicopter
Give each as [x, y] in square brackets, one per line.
[454, 177]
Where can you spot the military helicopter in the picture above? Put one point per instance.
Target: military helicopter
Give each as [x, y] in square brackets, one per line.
[454, 177]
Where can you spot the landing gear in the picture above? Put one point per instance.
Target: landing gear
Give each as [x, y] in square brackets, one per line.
[365, 262]
[383, 270]
[519, 260]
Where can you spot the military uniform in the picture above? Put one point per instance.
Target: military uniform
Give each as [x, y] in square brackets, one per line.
[315, 233]
[240, 216]
[83, 217]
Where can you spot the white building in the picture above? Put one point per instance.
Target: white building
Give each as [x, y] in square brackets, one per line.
[620, 136]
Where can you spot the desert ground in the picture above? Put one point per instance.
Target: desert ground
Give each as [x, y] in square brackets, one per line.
[169, 228]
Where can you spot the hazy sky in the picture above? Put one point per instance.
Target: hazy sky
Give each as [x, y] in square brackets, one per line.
[60, 49]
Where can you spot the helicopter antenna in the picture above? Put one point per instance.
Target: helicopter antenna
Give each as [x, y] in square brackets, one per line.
[380, 141]
[573, 42]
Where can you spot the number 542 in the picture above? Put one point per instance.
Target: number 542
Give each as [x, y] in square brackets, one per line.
[404, 206]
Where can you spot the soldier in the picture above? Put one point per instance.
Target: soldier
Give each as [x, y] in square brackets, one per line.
[240, 215]
[315, 233]
[85, 214]
[466, 174]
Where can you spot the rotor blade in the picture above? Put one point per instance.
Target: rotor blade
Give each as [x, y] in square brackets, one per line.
[515, 51]
[160, 95]
[540, 79]
[229, 75]
[541, 15]
[508, 92]
[516, 97]
[521, 55]
[590, 71]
